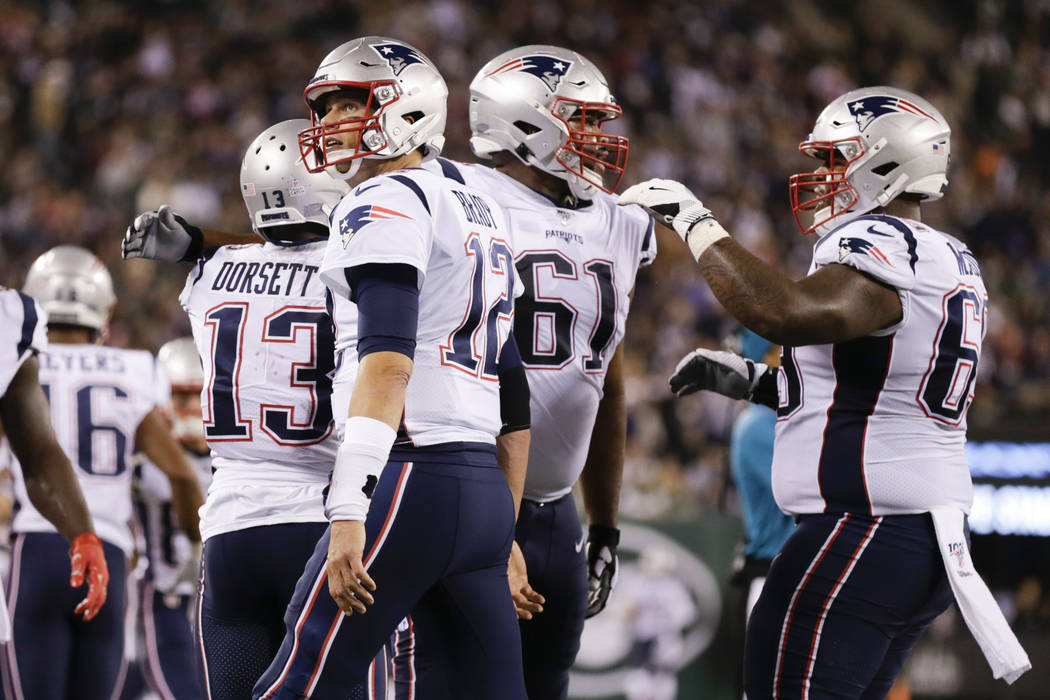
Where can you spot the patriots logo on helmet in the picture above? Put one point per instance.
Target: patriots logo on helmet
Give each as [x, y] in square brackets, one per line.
[398, 56]
[359, 217]
[549, 69]
[868, 109]
[862, 247]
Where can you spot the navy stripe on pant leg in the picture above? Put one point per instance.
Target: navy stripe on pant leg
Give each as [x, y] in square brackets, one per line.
[313, 618]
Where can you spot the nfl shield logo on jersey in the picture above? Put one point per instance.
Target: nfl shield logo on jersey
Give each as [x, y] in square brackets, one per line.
[398, 56]
[549, 69]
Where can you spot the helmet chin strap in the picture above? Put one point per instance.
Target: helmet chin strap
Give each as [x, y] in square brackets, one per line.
[335, 172]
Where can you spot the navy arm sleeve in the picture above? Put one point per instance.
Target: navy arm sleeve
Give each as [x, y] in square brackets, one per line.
[513, 389]
[387, 298]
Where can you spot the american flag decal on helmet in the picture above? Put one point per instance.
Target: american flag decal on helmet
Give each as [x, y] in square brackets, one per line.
[868, 109]
[398, 56]
[549, 69]
[359, 217]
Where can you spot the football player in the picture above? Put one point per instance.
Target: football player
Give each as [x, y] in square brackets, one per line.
[881, 345]
[421, 513]
[103, 403]
[536, 118]
[48, 476]
[173, 562]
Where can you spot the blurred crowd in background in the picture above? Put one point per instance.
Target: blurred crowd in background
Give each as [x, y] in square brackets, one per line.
[108, 108]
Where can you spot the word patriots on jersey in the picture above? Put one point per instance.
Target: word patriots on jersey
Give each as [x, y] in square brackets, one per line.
[359, 217]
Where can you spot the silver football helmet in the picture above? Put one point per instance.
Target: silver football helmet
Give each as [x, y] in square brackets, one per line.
[546, 105]
[405, 105]
[877, 143]
[182, 364]
[277, 187]
[73, 286]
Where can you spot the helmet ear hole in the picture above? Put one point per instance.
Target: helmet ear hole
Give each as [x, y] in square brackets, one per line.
[885, 169]
[526, 127]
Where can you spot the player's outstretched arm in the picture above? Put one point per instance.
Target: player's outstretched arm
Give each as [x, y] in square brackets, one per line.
[164, 235]
[51, 484]
[154, 437]
[600, 482]
[834, 304]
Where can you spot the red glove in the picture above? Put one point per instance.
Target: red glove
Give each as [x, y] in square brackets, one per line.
[87, 559]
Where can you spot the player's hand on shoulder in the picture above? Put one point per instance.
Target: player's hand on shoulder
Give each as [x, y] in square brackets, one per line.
[161, 235]
[349, 584]
[87, 562]
[673, 204]
[527, 602]
[719, 371]
[602, 564]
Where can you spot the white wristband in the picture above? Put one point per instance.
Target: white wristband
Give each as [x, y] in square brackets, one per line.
[703, 234]
[362, 454]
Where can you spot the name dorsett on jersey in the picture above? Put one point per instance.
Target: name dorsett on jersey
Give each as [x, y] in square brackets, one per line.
[878, 425]
[263, 278]
[457, 239]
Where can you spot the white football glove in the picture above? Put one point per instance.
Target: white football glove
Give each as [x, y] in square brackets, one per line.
[602, 562]
[189, 572]
[673, 204]
[719, 371]
[161, 235]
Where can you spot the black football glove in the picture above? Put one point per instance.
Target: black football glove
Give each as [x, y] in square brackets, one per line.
[602, 541]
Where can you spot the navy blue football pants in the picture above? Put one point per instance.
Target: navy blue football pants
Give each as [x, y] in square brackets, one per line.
[552, 541]
[53, 654]
[843, 605]
[439, 530]
[170, 663]
[248, 578]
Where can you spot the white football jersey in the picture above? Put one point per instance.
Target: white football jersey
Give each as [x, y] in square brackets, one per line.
[23, 332]
[167, 546]
[99, 396]
[578, 268]
[878, 425]
[265, 336]
[457, 239]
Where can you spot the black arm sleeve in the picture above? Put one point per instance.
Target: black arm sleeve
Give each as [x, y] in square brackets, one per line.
[765, 392]
[387, 298]
[513, 389]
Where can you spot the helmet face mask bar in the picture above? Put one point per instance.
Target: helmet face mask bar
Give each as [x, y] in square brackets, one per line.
[370, 137]
[825, 193]
[589, 153]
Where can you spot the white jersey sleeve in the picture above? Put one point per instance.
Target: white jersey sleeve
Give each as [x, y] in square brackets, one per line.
[23, 332]
[578, 267]
[457, 238]
[382, 221]
[99, 397]
[262, 327]
[878, 424]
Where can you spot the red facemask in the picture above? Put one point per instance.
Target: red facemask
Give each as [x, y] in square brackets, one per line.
[596, 157]
[317, 154]
[812, 192]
